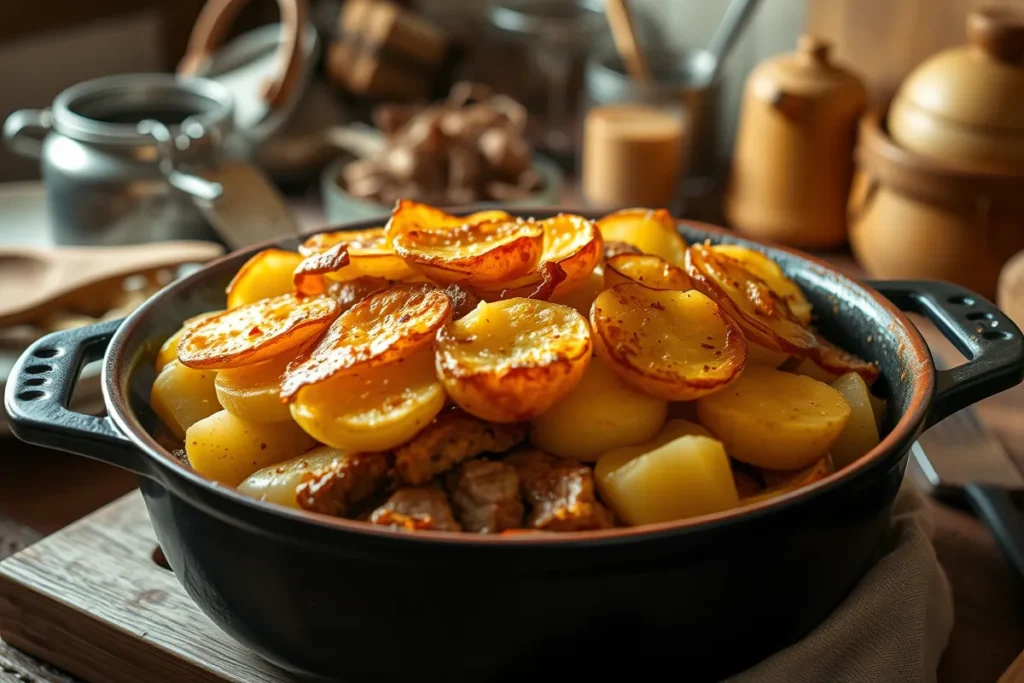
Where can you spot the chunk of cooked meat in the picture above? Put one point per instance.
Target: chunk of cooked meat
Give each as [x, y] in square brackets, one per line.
[613, 249]
[486, 497]
[452, 437]
[346, 481]
[560, 491]
[419, 508]
[463, 300]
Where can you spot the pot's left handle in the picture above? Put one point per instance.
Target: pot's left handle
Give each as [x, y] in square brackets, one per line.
[39, 392]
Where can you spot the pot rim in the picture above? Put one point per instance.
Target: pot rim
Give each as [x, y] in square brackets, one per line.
[902, 433]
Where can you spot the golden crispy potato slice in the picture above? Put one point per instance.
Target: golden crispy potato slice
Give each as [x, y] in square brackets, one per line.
[573, 243]
[256, 332]
[652, 271]
[409, 215]
[264, 276]
[511, 360]
[774, 419]
[652, 231]
[778, 482]
[384, 327]
[763, 313]
[169, 349]
[677, 346]
[769, 271]
[485, 255]
[370, 254]
[374, 408]
[309, 275]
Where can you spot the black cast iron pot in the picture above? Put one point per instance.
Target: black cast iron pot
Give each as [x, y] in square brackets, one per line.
[701, 598]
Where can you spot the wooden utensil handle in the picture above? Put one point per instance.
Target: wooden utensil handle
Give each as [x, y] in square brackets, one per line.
[212, 26]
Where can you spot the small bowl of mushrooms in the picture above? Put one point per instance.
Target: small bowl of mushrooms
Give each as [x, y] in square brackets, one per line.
[468, 150]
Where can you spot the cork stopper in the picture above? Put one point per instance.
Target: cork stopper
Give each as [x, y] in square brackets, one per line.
[814, 49]
[998, 32]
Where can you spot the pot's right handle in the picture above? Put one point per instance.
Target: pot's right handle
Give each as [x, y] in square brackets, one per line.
[991, 341]
[39, 391]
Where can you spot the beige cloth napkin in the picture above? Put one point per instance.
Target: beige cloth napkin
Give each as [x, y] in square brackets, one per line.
[893, 627]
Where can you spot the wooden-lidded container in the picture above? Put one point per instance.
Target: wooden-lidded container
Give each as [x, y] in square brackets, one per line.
[965, 105]
[793, 160]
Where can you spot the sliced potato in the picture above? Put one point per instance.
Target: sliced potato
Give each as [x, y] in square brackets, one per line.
[808, 368]
[181, 396]
[652, 271]
[278, 483]
[256, 332]
[780, 482]
[228, 449]
[770, 272]
[253, 392]
[674, 345]
[574, 243]
[759, 355]
[687, 477]
[375, 408]
[836, 361]
[763, 313]
[382, 328]
[169, 350]
[615, 458]
[266, 275]
[369, 253]
[878, 407]
[582, 297]
[409, 215]
[309, 277]
[511, 360]
[774, 419]
[652, 231]
[861, 433]
[591, 418]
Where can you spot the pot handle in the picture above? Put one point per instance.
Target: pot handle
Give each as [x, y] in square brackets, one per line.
[991, 341]
[17, 127]
[39, 391]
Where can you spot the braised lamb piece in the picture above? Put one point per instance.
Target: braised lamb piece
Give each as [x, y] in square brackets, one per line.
[345, 482]
[560, 491]
[451, 438]
[486, 497]
[417, 509]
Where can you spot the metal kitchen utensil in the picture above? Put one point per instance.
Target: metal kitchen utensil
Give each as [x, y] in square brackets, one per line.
[960, 459]
[737, 15]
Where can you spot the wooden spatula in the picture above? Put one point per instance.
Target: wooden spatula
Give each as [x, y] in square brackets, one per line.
[36, 280]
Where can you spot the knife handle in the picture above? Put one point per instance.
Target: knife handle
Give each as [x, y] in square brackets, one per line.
[979, 330]
[998, 509]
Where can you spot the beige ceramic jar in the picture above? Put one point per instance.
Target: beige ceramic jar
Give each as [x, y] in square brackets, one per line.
[793, 159]
[965, 106]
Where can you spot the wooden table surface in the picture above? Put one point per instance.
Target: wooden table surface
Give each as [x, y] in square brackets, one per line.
[42, 491]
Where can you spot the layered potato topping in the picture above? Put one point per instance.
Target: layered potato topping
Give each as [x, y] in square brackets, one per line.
[494, 374]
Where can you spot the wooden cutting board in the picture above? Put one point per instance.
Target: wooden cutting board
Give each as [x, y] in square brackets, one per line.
[92, 600]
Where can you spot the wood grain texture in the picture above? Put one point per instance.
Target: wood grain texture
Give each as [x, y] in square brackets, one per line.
[90, 600]
[884, 40]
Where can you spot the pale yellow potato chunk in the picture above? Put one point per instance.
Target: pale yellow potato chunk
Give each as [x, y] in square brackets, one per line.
[652, 231]
[808, 368]
[762, 355]
[511, 360]
[277, 483]
[686, 477]
[600, 413]
[375, 408]
[878, 406]
[674, 345]
[582, 297]
[227, 449]
[775, 419]
[169, 349]
[861, 433]
[673, 429]
[181, 396]
[253, 392]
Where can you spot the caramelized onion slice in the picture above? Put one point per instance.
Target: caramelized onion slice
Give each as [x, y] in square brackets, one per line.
[256, 332]
[675, 345]
[651, 271]
[384, 327]
[309, 275]
[511, 360]
[763, 314]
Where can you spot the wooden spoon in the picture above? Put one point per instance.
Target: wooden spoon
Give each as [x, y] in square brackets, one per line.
[35, 280]
[625, 40]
